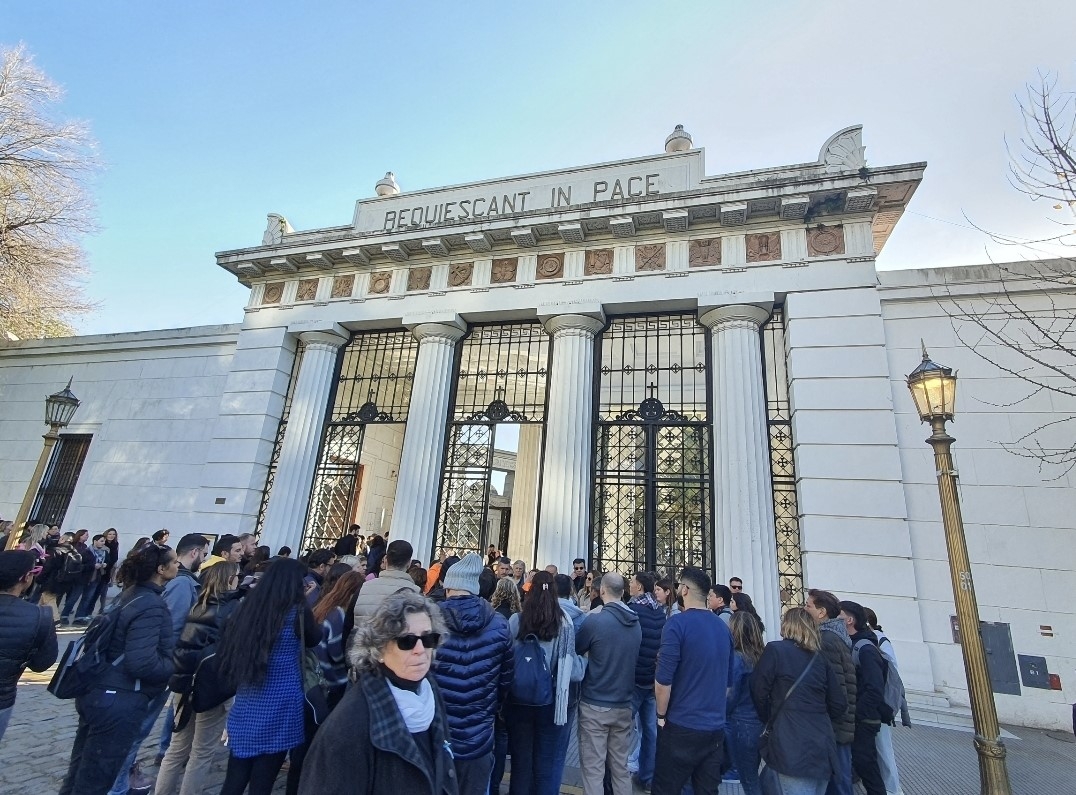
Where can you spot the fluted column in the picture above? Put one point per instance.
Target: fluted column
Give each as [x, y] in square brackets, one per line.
[746, 541]
[525, 494]
[414, 510]
[565, 502]
[285, 515]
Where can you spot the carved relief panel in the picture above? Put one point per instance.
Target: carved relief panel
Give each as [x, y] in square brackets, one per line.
[764, 247]
[274, 291]
[504, 270]
[599, 261]
[650, 257]
[379, 282]
[825, 241]
[701, 253]
[460, 274]
[550, 266]
[307, 291]
[419, 279]
[343, 285]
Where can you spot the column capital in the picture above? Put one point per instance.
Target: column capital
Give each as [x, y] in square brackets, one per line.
[735, 316]
[443, 332]
[584, 325]
[330, 339]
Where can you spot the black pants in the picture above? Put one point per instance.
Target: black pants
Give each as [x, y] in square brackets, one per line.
[865, 758]
[108, 722]
[687, 755]
[472, 775]
[259, 772]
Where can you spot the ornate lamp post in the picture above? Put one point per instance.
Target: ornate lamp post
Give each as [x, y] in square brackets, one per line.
[933, 388]
[59, 409]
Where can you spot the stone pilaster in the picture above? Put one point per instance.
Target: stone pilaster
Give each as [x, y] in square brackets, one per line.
[746, 541]
[565, 501]
[525, 494]
[285, 515]
[415, 507]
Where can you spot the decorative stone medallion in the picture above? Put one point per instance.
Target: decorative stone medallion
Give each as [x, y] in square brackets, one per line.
[550, 266]
[764, 247]
[307, 291]
[598, 261]
[343, 285]
[650, 257]
[274, 291]
[379, 282]
[504, 270]
[701, 253]
[460, 274]
[419, 279]
[824, 241]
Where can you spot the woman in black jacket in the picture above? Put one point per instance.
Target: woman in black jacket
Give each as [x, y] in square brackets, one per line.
[111, 713]
[197, 734]
[796, 693]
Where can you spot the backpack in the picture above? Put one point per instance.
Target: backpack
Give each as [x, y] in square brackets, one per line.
[893, 690]
[70, 568]
[84, 662]
[532, 681]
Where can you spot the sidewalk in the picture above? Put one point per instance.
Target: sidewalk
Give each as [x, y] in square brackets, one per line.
[933, 761]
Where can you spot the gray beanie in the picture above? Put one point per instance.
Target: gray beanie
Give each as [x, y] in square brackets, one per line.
[463, 576]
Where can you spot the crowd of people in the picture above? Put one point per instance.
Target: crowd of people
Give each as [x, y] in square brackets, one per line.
[362, 670]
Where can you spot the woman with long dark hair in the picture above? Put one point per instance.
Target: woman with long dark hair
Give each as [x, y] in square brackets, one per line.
[194, 743]
[665, 593]
[74, 589]
[111, 713]
[260, 654]
[335, 614]
[743, 726]
[741, 601]
[538, 733]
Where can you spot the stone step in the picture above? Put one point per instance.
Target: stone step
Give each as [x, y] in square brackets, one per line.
[934, 709]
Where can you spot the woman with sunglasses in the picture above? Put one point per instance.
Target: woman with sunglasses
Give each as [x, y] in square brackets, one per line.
[390, 728]
[260, 653]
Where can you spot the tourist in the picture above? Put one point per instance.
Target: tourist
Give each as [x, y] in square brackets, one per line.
[27, 636]
[394, 699]
[198, 734]
[334, 612]
[735, 585]
[579, 574]
[336, 571]
[160, 537]
[375, 553]
[797, 695]
[693, 673]
[318, 564]
[97, 585]
[260, 655]
[226, 550]
[720, 596]
[505, 599]
[741, 601]
[54, 581]
[112, 542]
[825, 609]
[652, 621]
[249, 545]
[78, 583]
[473, 669]
[437, 592]
[665, 594]
[536, 733]
[589, 597]
[887, 761]
[111, 713]
[871, 709]
[743, 726]
[284, 552]
[348, 543]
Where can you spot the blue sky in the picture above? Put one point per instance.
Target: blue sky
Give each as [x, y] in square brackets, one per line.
[210, 115]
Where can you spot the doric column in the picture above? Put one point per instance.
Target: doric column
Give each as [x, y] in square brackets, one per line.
[285, 516]
[745, 538]
[414, 510]
[565, 502]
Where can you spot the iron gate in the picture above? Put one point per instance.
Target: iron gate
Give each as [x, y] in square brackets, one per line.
[61, 476]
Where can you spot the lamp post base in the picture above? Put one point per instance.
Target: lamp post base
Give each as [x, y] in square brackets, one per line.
[993, 775]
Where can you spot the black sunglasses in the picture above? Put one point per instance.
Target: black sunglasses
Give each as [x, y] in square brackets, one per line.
[430, 640]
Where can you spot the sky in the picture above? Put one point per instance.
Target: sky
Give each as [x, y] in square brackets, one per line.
[210, 115]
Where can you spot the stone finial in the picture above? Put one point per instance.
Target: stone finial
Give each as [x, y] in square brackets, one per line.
[275, 228]
[387, 186]
[679, 140]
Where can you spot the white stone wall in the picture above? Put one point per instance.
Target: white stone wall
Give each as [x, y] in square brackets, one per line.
[151, 401]
[1020, 522]
[382, 445]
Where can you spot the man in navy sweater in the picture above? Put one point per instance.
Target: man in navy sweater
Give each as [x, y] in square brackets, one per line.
[691, 684]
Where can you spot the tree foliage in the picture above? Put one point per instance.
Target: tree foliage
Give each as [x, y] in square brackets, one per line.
[45, 209]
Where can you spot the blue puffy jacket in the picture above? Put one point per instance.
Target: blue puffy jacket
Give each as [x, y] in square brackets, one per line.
[652, 621]
[473, 669]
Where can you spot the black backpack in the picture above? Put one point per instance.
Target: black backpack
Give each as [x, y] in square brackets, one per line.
[70, 568]
[84, 663]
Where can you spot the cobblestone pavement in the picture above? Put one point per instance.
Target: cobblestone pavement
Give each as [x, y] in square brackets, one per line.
[933, 761]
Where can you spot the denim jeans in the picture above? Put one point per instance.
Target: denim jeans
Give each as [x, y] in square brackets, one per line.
[123, 778]
[841, 783]
[742, 735]
[774, 783]
[73, 592]
[108, 721]
[645, 711]
[533, 742]
[500, 753]
[166, 731]
[93, 593]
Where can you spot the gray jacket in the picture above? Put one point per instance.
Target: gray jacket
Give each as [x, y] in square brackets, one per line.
[610, 638]
[374, 591]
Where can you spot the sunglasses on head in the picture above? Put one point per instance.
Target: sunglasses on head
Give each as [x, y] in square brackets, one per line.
[430, 640]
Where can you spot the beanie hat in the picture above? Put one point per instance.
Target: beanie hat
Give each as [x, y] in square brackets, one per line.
[463, 576]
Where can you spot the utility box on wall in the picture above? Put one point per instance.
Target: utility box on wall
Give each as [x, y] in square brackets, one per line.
[1000, 658]
[1033, 672]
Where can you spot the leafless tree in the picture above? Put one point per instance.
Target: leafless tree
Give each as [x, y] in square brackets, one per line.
[1028, 328]
[45, 164]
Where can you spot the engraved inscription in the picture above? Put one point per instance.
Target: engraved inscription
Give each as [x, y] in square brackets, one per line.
[504, 271]
[650, 257]
[343, 285]
[825, 241]
[459, 274]
[764, 247]
[418, 279]
[550, 266]
[599, 261]
[701, 253]
[379, 282]
[274, 291]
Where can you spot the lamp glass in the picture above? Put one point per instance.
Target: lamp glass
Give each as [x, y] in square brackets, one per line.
[934, 393]
[60, 407]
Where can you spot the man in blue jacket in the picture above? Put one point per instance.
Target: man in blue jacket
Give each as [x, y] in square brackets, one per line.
[871, 708]
[473, 668]
[652, 621]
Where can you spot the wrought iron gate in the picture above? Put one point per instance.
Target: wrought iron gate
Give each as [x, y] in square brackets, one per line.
[502, 378]
[58, 484]
[652, 498]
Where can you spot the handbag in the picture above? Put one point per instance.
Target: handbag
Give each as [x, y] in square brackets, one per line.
[313, 681]
[763, 740]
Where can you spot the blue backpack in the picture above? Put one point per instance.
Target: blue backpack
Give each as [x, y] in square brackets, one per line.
[532, 681]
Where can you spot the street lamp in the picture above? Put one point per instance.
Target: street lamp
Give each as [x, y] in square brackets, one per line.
[59, 409]
[933, 389]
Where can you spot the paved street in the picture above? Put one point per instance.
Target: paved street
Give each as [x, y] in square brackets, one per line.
[933, 761]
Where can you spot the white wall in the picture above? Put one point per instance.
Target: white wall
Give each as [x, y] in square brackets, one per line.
[382, 445]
